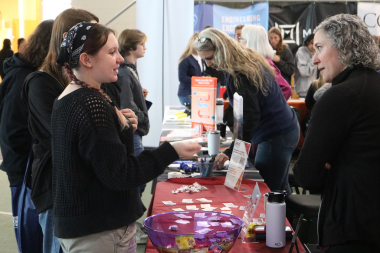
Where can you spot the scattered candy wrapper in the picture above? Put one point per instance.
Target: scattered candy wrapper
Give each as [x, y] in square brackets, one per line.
[242, 208]
[183, 216]
[225, 209]
[200, 215]
[205, 205]
[235, 221]
[187, 201]
[247, 196]
[173, 227]
[182, 221]
[185, 241]
[227, 212]
[227, 225]
[214, 224]
[229, 205]
[204, 230]
[178, 209]
[204, 200]
[209, 209]
[192, 207]
[168, 203]
[262, 215]
[203, 224]
[258, 221]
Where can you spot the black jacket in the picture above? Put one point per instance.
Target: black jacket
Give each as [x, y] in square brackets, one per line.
[15, 139]
[131, 95]
[4, 54]
[39, 93]
[344, 131]
[286, 64]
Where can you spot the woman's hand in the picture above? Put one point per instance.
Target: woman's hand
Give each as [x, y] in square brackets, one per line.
[186, 149]
[276, 58]
[131, 116]
[145, 92]
[220, 159]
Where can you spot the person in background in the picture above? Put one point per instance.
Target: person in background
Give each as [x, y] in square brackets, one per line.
[5, 52]
[306, 71]
[256, 38]
[19, 42]
[40, 90]
[238, 31]
[132, 95]
[92, 143]
[15, 139]
[341, 153]
[267, 119]
[190, 64]
[284, 57]
[316, 90]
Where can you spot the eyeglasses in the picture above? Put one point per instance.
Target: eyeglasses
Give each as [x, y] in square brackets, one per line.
[202, 39]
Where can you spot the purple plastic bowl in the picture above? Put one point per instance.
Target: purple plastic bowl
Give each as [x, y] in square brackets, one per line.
[185, 238]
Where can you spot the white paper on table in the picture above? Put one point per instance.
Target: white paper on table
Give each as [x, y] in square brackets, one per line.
[168, 203]
[178, 209]
[205, 205]
[192, 208]
[204, 200]
[187, 201]
[225, 208]
[227, 212]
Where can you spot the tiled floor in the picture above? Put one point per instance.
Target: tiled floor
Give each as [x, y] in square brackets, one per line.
[7, 237]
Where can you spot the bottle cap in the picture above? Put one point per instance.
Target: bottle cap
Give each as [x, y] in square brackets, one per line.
[276, 197]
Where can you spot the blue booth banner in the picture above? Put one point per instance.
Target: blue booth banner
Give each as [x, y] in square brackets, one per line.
[226, 19]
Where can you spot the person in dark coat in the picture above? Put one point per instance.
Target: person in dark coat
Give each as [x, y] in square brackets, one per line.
[5, 52]
[15, 138]
[341, 153]
[190, 64]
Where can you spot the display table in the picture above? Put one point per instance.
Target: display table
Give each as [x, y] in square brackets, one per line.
[219, 194]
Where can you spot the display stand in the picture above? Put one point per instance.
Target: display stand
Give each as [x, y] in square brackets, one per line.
[249, 212]
[237, 165]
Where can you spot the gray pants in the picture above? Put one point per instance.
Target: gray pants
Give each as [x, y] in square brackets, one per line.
[122, 240]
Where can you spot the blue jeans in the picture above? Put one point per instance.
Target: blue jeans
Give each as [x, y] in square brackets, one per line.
[184, 100]
[51, 243]
[138, 148]
[273, 159]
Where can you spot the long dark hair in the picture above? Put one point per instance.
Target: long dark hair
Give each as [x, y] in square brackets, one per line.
[62, 24]
[6, 44]
[35, 49]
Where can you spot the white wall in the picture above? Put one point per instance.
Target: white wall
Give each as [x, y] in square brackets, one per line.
[107, 9]
[169, 26]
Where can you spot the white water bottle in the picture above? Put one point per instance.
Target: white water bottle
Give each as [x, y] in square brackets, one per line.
[276, 220]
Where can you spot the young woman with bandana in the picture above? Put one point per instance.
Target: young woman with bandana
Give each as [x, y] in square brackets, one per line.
[95, 172]
[40, 89]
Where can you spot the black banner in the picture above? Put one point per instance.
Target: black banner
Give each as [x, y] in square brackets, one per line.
[298, 21]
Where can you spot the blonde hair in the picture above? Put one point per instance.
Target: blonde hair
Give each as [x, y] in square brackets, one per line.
[257, 39]
[318, 83]
[189, 48]
[234, 58]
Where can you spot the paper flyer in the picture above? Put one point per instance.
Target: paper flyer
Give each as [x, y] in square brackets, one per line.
[203, 102]
[237, 164]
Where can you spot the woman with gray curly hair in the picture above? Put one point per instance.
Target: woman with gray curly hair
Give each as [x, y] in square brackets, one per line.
[341, 153]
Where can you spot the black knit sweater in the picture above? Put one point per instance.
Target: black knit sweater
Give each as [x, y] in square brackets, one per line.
[95, 173]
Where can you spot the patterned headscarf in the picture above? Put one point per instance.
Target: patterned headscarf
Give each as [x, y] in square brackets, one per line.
[73, 43]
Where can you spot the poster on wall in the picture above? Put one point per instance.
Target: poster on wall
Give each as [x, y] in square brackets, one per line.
[296, 22]
[225, 19]
[370, 14]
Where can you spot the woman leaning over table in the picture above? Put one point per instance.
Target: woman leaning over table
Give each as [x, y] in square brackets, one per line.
[341, 152]
[267, 119]
[95, 172]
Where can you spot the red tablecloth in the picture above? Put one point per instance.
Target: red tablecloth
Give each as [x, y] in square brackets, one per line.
[219, 194]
